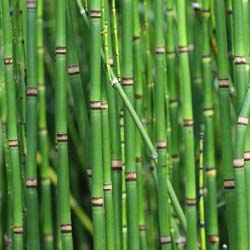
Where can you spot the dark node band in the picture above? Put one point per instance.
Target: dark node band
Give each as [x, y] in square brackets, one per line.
[104, 106]
[159, 50]
[188, 122]
[13, 143]
[62, 137]
[89, 172]
[223, 82]
[135, 38]
[161, 144]
[31, 4]
[8, 60]
[247, 156]
[213, 239]
[243, 120]
[116, 165]
[17, 230]
[31, 183]
[202, 224]
[229, 184]
[95, 105]
[138, 97]
[127, 81]
[239, 60]
[238, 163]
[95, 14]
[131, 176]
[210, 171]
[61, 50]
[138, 159]
[73, 70]
[165, 240]
[97, 201]
[31, 91]
[66, 228]
[107, 187]
[190, 202]
[183, 49]
[142, 228]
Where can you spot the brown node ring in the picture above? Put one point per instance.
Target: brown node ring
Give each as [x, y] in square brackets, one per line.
[116, 165]
[127, 81]
[247, 156]
[188, 122]
[31, 4]
[95, 105]
[13, 143]
[97, 201]
[239, 60]
[213, 239]
[191, 202]
[31, 183]
[62, 137]
[161, 144]
[73, 69]
[165, 240]
[8, 60]
[31, 91]
[131, 176]
[229, 184]
[243, 120]
[223, 83]
[17, 230]
[107, 187]
[66, 228]
[238, 163]
[183, 49]
[61, 50]
[95, 14]
[159, 50]
[142, 228]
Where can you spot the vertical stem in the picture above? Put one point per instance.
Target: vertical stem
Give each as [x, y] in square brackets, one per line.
[61, 128]
[17, 201]
[187, 115]
[96, 126]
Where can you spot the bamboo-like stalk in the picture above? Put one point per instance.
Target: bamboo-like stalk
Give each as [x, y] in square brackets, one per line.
[241, 240]
[63, 204]
[129, 127]
[137, 50]
[162, 168]
[240, 78]
[187, 116]
[96, 126]
[201, 195]
[31, 126]
[225, 116]
[209, 151]
[46, 206]
[173, 94]
[17, 203]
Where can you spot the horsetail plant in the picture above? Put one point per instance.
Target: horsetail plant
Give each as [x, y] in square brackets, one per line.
[126, 95]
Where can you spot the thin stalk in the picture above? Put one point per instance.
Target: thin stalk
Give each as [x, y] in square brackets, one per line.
[188, 134]
[17, 202]
[63, 194]
[137, 50]
[161, 136]
[209, 150]
[201, 200]
[129, 127]
[46, 195]
[96, 126]
[225, 117]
